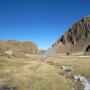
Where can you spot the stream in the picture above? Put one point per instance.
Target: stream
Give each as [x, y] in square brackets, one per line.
[84, 80]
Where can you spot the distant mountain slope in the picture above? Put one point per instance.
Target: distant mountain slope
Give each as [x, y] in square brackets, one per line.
[75, 40]
[16, 48]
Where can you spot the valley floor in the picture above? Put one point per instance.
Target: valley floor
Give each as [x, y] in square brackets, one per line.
[43, 72]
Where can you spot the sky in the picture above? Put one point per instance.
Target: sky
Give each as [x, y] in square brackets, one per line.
[39, 21]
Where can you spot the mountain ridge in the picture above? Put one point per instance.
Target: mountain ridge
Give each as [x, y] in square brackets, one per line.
[17, 48]
[75, 40]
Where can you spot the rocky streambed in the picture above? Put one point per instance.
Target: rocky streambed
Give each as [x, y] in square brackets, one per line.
[85, 82]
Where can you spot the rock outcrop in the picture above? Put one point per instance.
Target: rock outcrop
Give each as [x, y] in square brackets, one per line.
[17, 49]
[75, 40]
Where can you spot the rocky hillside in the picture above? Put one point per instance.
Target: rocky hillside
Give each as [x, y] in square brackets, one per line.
[75, 40]
[16, 48]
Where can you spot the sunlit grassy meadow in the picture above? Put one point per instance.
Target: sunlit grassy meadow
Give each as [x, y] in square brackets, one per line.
[41, 72]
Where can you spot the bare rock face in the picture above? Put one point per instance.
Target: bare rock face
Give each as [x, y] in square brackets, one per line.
[17, 49]
[76, 39]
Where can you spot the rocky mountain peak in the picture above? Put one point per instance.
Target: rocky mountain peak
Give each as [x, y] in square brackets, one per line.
[76, 39]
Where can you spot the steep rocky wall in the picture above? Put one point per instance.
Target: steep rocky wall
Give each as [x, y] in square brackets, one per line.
[76, 39]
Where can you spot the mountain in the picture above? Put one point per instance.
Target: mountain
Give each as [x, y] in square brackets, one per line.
[75, 40]
[17, 48]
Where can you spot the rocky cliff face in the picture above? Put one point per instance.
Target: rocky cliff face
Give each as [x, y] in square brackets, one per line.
[75, 40]
[16, 48]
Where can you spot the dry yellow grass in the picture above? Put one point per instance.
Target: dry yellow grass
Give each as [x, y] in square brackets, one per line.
[37, 74]
[80, 65]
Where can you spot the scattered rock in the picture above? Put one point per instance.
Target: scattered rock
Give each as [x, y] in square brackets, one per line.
[9, 52]
[78, 78]
[66, 68]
